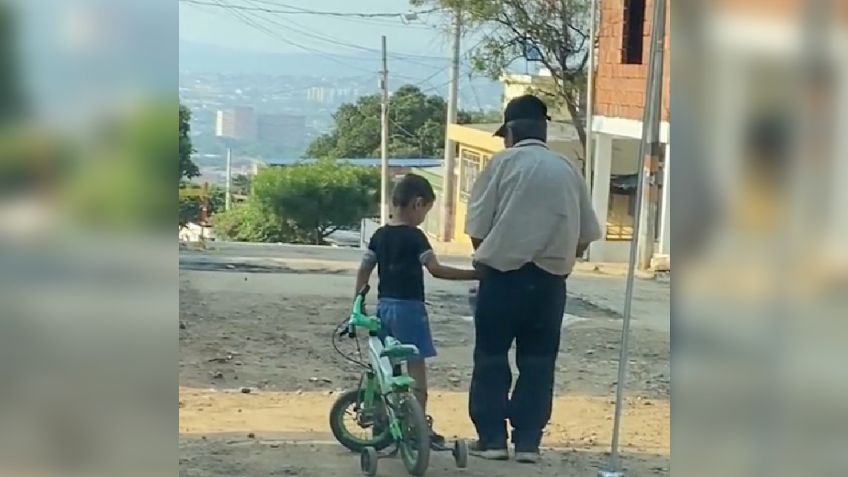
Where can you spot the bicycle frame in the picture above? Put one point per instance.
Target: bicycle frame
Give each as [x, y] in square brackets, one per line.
[381, 376]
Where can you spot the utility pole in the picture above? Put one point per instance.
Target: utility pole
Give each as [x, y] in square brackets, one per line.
[590, 93]
[648, 155]
[449, 194]
[652, 150]
[228, 196]
[588, 156]
[384, 139]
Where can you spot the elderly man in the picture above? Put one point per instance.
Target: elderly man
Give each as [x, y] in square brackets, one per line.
[529, 218]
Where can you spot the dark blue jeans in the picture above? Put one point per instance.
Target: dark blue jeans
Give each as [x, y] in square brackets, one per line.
[525, 306]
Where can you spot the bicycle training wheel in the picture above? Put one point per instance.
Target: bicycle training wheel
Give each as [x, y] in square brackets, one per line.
[415, 442]
[357, 428]
[368, 461]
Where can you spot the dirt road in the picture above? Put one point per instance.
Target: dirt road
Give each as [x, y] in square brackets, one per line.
[268, 329]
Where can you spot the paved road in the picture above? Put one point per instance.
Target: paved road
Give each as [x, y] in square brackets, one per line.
[587, 289]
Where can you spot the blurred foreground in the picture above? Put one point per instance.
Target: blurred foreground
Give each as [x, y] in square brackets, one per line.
[760, 227]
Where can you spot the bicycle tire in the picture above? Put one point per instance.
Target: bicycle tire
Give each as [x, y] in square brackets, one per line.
[416, 433]
[345, 437]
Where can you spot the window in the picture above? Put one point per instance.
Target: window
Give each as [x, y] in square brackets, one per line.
[622, 206]
[469, 170]
[633, 33]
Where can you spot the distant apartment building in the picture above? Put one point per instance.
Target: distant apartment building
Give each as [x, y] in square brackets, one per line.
[316, 94]
[236, 123]
[331, 95]
[281, 129]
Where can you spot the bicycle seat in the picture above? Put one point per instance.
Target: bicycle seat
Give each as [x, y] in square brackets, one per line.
[399, 351]
[401, 382]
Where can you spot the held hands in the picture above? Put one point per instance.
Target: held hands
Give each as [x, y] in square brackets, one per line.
[472, 299]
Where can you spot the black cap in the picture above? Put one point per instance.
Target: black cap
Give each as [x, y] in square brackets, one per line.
[523, 107]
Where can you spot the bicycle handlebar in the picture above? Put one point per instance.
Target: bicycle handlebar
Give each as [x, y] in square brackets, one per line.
[359, 317]
[359, 302]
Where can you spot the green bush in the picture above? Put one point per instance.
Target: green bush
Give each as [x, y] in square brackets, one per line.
[250, 222]
[316, 200]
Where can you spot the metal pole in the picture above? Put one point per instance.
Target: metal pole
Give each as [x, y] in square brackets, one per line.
[590, 93]
[649, 197]
[590, 103]
[648, 150]
[449, 193]
[384, 139]
[228, 196]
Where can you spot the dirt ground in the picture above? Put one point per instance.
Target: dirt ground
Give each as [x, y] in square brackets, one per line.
[270, 330]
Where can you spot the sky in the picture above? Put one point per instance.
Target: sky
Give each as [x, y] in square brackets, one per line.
[221, 27]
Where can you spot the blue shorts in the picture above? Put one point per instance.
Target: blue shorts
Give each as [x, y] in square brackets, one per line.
[407, 322]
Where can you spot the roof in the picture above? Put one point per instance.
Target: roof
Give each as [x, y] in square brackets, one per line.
[363, 162]
[435, 173]
[557, 131]
[560, 134]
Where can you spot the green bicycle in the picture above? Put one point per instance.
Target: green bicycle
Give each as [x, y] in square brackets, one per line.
[383, 411]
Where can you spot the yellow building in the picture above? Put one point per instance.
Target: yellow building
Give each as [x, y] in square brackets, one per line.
[475, 146]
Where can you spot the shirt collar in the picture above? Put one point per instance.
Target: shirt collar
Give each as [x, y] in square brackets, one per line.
[530, 142]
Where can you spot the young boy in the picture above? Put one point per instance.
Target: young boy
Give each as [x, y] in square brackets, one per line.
[399, 250]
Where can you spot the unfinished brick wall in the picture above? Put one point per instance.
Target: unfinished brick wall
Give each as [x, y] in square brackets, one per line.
[619, 87]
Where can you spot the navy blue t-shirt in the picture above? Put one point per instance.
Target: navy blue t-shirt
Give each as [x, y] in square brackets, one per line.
[400, 251]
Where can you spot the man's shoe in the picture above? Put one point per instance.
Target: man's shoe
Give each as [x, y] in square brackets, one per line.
[477, 449]
[527, 457]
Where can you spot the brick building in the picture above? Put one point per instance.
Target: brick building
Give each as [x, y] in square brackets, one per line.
[624, 36]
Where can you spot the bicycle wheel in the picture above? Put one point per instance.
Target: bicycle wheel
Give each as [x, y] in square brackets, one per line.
[415, 442]
[357, 428]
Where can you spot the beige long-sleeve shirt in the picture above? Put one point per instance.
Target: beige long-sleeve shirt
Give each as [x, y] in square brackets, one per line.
[530, 205]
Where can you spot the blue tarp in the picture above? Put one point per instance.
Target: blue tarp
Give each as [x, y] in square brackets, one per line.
[365, 162]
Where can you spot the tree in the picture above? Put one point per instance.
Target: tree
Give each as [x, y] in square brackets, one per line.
[313, 201]
[10, 90]
[556, 31]
[125, 181]
[188, 169]
[251, 222]
[416, 127]
[479, 117]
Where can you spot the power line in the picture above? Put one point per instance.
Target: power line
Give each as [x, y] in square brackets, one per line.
[253, 19]
[377, 21]
[256, 20]
[288, 25]
[249, 21]
[247, 10]
[444, 68]
[293, 10]
[474, 92]
[297, 30]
